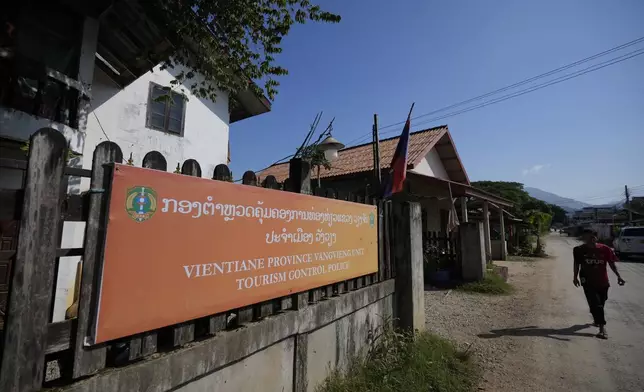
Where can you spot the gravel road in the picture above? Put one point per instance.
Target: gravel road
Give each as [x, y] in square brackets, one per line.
[540, 338]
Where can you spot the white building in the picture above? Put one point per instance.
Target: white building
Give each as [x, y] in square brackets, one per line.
[88, 73]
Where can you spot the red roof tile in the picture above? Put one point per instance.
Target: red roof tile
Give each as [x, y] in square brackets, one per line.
[359, 159]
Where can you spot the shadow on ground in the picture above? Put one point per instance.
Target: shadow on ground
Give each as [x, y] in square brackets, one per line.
[551, 333]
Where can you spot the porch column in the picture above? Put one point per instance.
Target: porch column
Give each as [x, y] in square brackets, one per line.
[464, 209]
[486, 230]
[504, 247]
[89, 43]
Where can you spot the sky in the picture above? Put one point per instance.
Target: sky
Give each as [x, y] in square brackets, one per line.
[582, 138]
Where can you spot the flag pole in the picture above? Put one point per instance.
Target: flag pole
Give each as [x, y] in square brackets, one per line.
[410, 110]
[376, 152]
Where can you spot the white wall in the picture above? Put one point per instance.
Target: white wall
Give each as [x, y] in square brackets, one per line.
[18, 125]
[431, 165]
[122, 115]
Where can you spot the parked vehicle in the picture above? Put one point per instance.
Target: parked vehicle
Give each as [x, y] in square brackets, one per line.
[630, 241]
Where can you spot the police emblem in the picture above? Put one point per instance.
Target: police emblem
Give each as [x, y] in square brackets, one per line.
[372, 219]
[141, 203]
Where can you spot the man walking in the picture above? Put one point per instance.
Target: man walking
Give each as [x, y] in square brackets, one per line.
[590, 268]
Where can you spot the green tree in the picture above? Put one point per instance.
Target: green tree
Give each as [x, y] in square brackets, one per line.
[512, 191]
[559, 215]
[231, 43]
[539, 224]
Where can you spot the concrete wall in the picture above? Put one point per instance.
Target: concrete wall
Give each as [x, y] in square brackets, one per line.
[291, 351]
[473, 260]
[333, 346]
[432, 209]
[431, 165]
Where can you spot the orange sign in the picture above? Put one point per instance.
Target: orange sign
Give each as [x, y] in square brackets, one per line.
[179, 248]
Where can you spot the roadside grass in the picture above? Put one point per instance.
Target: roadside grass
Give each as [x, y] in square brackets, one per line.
[399, 362]
[492, 284]
[524, 258]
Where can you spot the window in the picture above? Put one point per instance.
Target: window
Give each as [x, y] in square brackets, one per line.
[166, 109]
[633, 232]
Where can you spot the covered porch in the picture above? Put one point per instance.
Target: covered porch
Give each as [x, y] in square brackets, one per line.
[442, 199]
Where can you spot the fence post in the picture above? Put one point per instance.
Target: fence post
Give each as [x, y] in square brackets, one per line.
[244, 315]
[29, 304]
[408, 253]
[266, 308]
[89, 360]
[191, 168]
[381, 242]
[299, 182]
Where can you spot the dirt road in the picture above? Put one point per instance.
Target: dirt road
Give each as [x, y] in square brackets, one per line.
[540, 338]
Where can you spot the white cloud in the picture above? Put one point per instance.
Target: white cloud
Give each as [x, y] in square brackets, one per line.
[536, 169]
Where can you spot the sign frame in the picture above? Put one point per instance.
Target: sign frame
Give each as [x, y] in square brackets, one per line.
[149, 206]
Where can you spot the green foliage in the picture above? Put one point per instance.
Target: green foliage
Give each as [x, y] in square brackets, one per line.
[539, 221]
[402, 362]
[559, 215]
[316, 156]
[492, 284]
[514, 192]
[70, 154]
[231, 42]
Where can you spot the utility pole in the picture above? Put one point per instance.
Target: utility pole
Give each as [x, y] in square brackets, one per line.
[628, 204]
[376, 153]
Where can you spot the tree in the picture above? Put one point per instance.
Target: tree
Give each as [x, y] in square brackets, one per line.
[539, 223]
[559, 215]
[231, 43]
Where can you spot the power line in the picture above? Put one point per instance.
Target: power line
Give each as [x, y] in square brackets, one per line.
[525, 81]
[554, 71]
[558, 80]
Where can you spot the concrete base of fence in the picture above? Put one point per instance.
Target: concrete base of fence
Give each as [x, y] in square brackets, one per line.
[472, 250]
[292, 351]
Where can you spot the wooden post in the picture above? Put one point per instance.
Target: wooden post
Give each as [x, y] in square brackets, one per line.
[32, 285]
[243, 315]
[89, 360]
[249, 178]
[464, 209]
[504, 247]
[191, 168]
[486, 230]
[387, 248]
[381, 242]
[299, 174]
[86, 69]
[376, 153]
[410, 285]
[147, 343]
[300, 182]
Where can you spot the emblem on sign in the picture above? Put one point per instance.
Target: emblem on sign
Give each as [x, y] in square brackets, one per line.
[141, 203]
[372, 219]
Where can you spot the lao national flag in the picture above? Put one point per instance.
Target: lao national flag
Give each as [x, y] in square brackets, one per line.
[396, 181]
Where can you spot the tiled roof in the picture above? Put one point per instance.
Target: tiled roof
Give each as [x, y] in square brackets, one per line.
[359, 159]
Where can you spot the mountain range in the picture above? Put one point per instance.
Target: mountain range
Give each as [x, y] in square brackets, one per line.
[564, 202]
